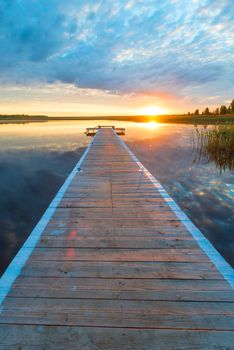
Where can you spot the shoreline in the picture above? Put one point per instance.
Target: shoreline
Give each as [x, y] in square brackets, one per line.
[164, 119]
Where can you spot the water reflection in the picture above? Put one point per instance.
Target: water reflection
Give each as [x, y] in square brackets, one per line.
[199, 188]
[28, 181]
[152, 125]
[36, 158]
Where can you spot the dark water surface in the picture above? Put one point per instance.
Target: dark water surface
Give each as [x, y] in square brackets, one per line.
[36, 158]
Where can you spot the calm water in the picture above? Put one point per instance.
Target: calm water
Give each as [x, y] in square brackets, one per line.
[36, 158]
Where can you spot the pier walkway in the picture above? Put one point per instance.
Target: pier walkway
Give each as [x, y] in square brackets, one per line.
[115, 264]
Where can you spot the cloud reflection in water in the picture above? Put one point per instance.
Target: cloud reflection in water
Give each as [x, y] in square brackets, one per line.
[200, 189]
[28, 182]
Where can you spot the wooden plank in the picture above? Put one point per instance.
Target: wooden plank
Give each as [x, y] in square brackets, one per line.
[96, 269]
[73, 239]
[122, 289]
[119, 313]
[60, 338]
[97, 227]
[118, 223]
[99, 254]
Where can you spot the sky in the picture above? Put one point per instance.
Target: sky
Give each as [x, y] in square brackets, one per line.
[117, 57]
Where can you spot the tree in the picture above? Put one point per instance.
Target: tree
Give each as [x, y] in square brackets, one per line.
[206, 111]
[232, 106]
[196, 112]
[216, 110]
[223, 109]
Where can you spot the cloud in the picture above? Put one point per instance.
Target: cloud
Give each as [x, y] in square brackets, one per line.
[123, 48]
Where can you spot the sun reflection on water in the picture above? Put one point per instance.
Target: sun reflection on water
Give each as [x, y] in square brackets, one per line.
[152, 125]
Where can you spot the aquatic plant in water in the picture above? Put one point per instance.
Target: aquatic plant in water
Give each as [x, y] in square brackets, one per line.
[216, 144]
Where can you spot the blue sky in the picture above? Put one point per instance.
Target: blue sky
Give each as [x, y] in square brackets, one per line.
[79, 57]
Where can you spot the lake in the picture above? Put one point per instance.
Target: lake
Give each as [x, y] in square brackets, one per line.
[35, 159]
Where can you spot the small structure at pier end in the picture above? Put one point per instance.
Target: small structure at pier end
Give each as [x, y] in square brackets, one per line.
[93, 131]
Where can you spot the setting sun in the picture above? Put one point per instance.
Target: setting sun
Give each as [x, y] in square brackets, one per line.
[152, 110]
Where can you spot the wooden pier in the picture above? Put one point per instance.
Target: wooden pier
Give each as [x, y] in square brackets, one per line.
[115, 264]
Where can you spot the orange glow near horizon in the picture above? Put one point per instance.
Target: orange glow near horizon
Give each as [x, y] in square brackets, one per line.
[67, 108]
[66, 100]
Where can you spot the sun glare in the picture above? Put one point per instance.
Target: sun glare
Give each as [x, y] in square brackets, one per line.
[152, 111]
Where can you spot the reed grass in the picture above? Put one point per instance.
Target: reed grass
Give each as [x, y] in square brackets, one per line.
[216, 144]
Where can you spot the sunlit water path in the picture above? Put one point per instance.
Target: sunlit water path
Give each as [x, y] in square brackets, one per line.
[36, 158]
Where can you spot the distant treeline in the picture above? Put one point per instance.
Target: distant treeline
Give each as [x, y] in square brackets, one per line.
[29, 118]
[23, 117]
[217, 111]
